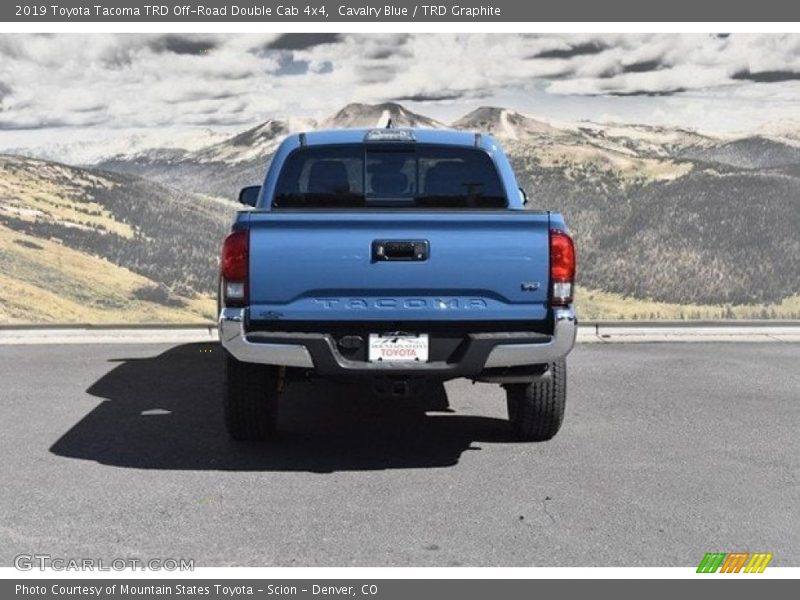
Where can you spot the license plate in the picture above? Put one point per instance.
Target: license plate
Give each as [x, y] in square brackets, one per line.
[398, 348]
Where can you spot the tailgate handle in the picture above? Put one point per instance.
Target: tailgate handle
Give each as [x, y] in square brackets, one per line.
[409, 250]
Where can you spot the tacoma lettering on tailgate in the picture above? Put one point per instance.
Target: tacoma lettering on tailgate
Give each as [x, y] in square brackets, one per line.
[410, 303]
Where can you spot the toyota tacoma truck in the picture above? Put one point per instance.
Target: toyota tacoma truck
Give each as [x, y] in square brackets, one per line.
[397, 257]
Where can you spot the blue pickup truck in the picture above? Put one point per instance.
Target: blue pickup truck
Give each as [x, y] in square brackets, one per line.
[397, 256]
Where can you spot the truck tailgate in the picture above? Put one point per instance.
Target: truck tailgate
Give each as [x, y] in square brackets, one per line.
[322, 266]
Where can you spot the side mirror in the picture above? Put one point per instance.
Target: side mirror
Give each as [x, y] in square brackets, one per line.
[524, 196]
[249, 195]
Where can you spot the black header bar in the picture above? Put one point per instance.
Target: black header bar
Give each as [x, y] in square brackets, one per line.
[343, 11]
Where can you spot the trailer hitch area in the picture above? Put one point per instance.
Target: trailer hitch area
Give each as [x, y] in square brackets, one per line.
[396, 388]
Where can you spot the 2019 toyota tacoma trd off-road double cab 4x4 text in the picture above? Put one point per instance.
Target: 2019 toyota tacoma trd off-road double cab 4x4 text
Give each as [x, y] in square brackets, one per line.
[396, 256]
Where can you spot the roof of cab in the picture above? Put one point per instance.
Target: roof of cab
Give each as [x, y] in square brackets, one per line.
[450, 137]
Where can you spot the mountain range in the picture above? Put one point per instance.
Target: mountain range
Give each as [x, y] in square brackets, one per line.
[634, 150]
[666, 219]
[83, 245]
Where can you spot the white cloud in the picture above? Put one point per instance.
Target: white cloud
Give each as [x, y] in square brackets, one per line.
[124, 81]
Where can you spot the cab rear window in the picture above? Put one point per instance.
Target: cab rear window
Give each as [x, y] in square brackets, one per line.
[389, 175]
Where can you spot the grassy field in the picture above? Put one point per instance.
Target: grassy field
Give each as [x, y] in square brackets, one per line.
[55, 193]
[595, 305]
[576, 161]
[43, 281]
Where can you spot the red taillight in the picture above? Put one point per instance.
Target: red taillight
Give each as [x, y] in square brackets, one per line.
[562, 268]
[234, 267]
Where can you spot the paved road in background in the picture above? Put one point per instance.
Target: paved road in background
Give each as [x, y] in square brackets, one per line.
[668, 451]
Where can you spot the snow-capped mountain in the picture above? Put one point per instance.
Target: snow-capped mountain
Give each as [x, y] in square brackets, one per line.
[787, 131]
[249, 145]
[633, 152]
[96, 146]
[378, 115]
[160, 147]
[504, 123]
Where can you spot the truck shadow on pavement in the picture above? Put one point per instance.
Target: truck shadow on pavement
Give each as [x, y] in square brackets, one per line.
[165, 412]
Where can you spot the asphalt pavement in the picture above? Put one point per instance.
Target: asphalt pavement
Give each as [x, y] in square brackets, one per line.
[668, 450]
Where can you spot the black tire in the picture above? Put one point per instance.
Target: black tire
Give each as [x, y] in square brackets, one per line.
[251, 400]
[536, 410]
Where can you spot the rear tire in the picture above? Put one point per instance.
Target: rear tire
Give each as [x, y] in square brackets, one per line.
[251, 400]
[536, 410]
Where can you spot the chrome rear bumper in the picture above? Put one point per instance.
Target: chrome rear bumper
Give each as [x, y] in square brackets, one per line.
[488, 352]
[565, 329]
[234, 340]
